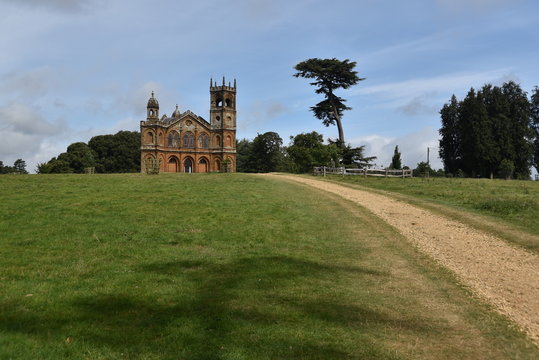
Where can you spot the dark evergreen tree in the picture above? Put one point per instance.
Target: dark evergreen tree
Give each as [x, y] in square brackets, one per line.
[521, 129]
[450, 140]
[535, 126]
[488, 133]
[329, 75]
[396, 162]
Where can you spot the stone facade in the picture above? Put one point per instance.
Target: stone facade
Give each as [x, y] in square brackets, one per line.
[186, 142]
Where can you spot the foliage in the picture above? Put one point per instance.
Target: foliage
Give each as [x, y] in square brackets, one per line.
[535, 126]
[396, 160]
[329, 75]
[243, 154]
[485, 128]
[77, 157]
[308, 150]
[423, 169]
[118, 153]
[233, 267]
[506, 169]
[19, 167]
[107, 153]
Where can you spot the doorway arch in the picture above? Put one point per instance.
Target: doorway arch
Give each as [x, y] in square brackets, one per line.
[188, 165]
[202, 165]
[172, 164]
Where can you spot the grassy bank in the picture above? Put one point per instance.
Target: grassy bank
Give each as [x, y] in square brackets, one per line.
[222, 266]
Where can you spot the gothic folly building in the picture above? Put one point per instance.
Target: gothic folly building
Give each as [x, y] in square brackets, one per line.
[186, 142]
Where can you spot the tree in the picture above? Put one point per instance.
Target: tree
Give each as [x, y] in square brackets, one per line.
[307, 150]
[265, 152]
[329, 75]
[118, 153]
[243, 155]
[534, 109]
[488, 130]
[449, 148]
[396, 160]
[422, 169]
[19, 166]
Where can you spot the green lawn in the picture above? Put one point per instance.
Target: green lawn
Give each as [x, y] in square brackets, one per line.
[222, 266]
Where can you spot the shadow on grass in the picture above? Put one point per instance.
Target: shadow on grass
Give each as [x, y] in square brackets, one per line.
[253, 308]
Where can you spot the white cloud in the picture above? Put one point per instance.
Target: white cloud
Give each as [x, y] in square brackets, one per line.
[412, 146]
[260, 112]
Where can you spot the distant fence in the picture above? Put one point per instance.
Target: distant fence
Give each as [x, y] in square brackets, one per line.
[324, 170]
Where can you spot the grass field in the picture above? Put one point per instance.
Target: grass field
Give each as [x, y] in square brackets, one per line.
[222, 266]
[515, 203]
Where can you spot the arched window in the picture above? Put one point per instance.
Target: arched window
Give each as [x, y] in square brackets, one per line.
[203, 141]
[228, 102]
[217, 141]
[173, 139]
[228, 142]
[188, 140]
[219, 102]
[149, 137]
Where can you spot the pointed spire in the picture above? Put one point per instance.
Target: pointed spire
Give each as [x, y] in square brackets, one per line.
[211, 82]
[234, 83]
[152, 93]
[223, 81]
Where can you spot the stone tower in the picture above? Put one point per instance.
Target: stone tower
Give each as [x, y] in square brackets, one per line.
[223, 106]
[152, 109]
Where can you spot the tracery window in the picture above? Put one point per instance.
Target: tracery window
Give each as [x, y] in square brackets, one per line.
[189, 140]
[203, 141]
[174, 139]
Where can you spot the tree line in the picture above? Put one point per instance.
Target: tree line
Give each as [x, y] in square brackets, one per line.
[19, 167]
[266, 153]
[492, 132]
[118, 153]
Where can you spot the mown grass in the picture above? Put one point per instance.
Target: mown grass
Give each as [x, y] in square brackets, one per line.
[222, 266]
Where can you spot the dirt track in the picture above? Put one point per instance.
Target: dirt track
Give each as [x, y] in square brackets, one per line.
[505, 276]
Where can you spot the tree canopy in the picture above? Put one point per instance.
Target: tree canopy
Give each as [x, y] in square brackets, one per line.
[116, 153]
[19, 167]
[329, 75]
[488, 132]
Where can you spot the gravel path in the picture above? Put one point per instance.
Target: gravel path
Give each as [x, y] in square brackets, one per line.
[505, 276]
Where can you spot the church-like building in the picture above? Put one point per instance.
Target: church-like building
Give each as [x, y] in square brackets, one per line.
[186, 142]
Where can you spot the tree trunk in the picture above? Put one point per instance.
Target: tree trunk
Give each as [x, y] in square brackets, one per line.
[339, 123]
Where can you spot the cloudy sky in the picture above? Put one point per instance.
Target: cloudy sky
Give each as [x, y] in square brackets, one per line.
[72, 69]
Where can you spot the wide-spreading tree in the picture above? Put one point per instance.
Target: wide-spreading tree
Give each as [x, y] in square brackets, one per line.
[329, 75]
[488, 133]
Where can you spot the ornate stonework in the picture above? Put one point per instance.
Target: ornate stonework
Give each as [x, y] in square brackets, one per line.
[186, 142]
